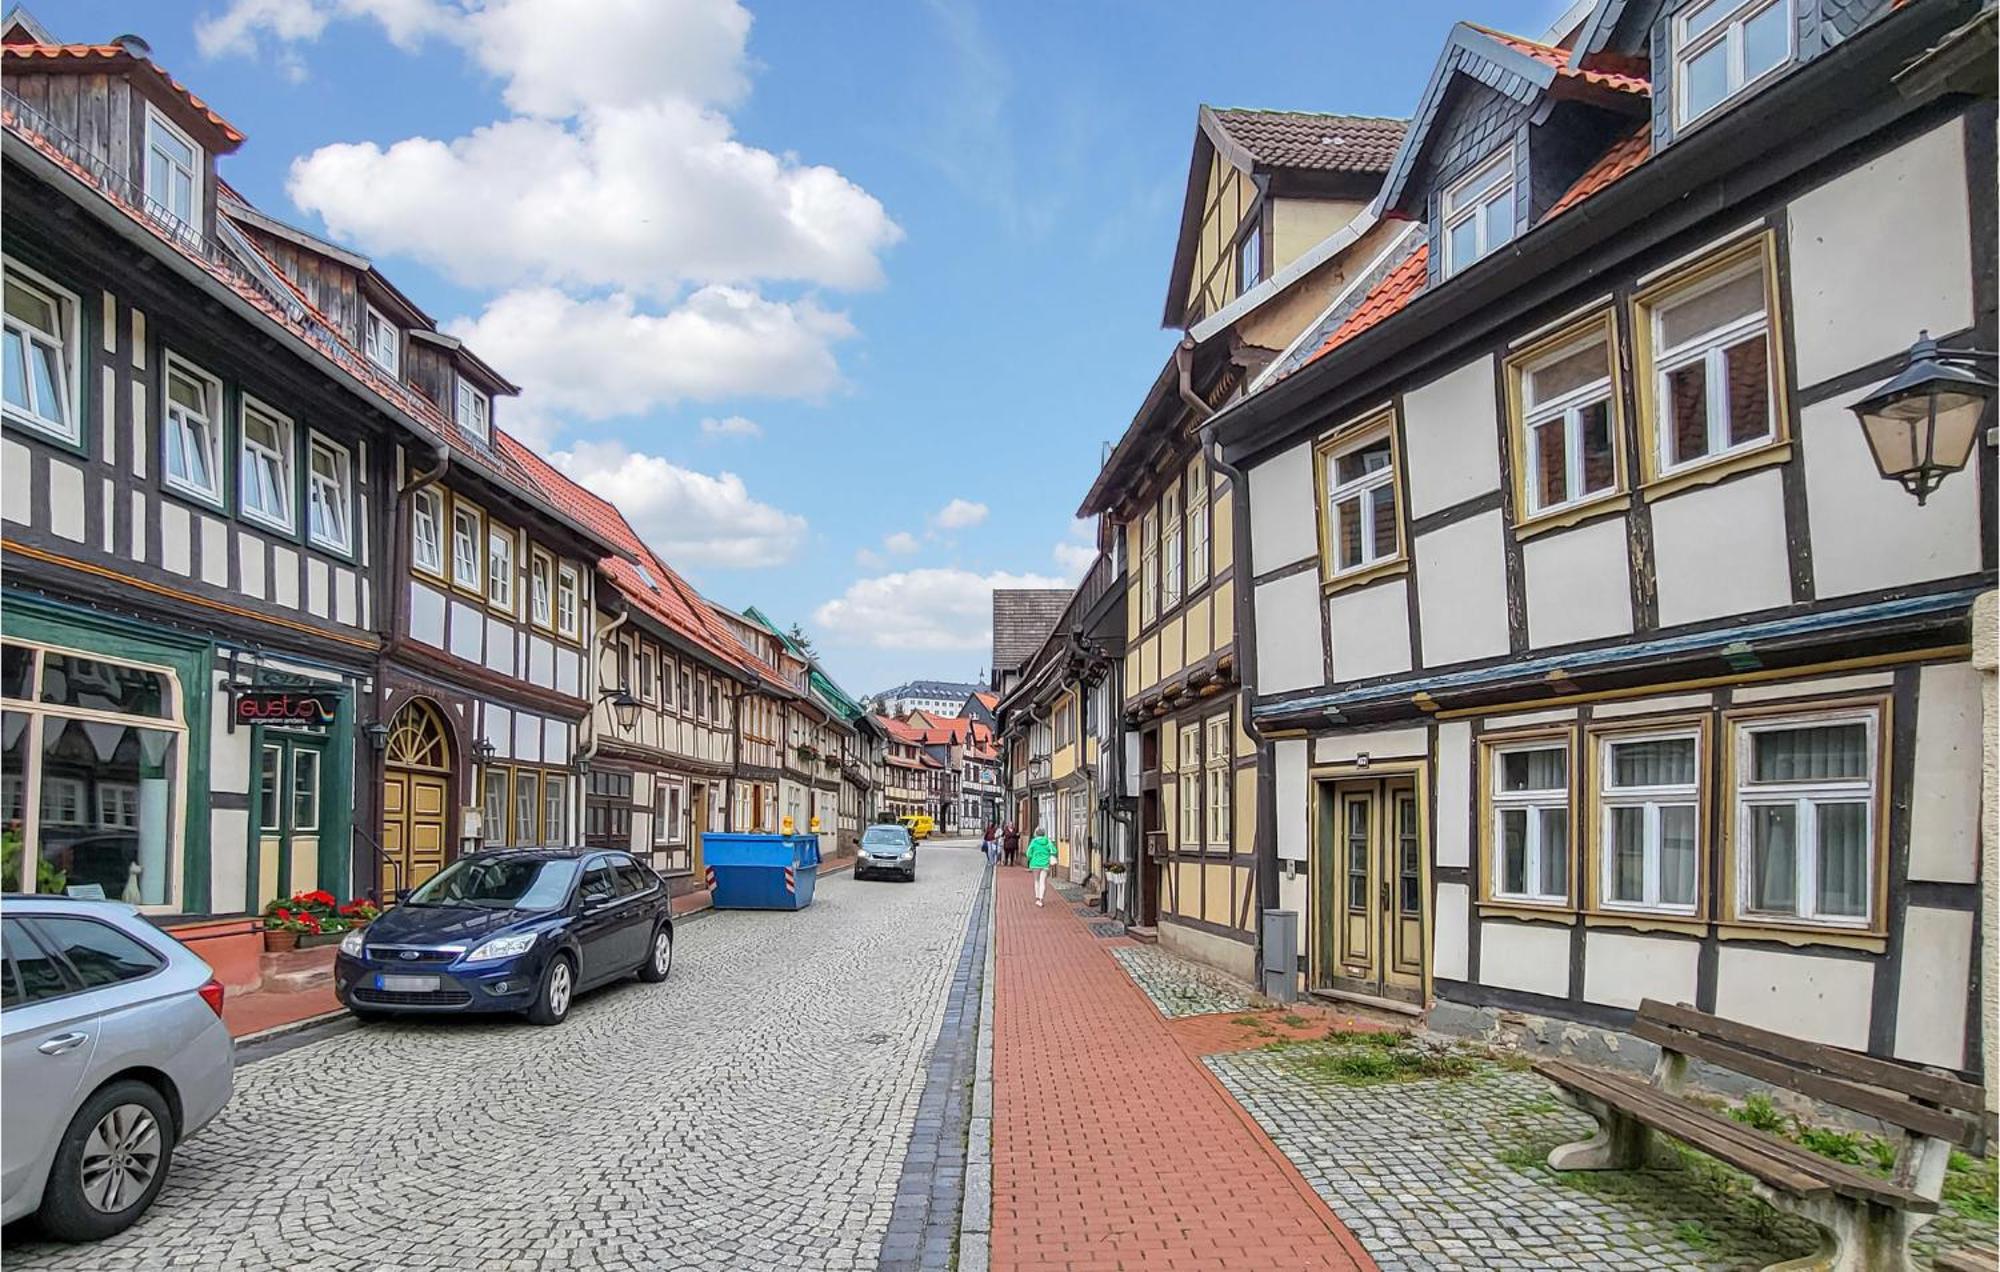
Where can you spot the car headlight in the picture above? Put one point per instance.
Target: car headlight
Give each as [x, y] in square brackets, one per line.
[350, 944]
[503, 947]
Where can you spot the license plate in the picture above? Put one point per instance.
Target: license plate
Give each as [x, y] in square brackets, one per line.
[406, 984]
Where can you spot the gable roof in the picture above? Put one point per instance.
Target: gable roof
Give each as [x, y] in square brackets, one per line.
[1511, 65]
[1023, 617]
[47, 56]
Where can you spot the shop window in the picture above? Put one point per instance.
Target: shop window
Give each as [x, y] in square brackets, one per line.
[526, 809]
[555, 810]
[270, 780]
[305, 790]
[1805, 796]
[42, 347]
[1527, 822]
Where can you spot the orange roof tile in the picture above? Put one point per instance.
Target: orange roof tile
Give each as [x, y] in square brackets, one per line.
[1550, 55]
[1627, 153]
[117, 55]
[1397, 289]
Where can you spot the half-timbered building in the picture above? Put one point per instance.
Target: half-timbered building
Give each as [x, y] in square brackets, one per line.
[1596, 659]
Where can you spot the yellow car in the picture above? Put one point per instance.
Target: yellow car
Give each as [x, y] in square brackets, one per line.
[920, 825]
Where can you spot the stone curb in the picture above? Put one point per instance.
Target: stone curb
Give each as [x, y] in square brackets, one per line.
[291, 1033]
[975, 1216]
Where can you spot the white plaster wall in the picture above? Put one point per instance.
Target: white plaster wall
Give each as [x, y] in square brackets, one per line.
[468, 630]
[1451, 436]
[346, 596]
[1878, 253]
[1283, 519]
[66, 501]
[1289, 772]
[527, 737]
[17, 473]
[250, 568]
[285, 579]
[1818, 686]
[317, 583]
[1451, 835]
[1531, 957]
[1578, 584]
[427, 615]
[1721, 550]
[1462, 590]
[497, 727]
[228, 751]
[1371, 631]
[214, 543]
[1620, 969]
[228, 858]
[499, 646]
[1378, 744]
[1868, 533]
[1931, 999]
[176, 549]
[1288, 634]
[1819, 999]
[1649, 706]
[541, 661]
[1450, 957]
[1945, 794]
[569, 670]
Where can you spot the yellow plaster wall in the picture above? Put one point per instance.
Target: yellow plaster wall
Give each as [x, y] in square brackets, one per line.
[1169, 818]
[1196, 621]
[1245, 810]
[1172, 658]
[1063, 762]
[1149, 662]
[1132, 685]
[1298, 224]
[1221, 533]
[1224, 621]
[1220, 893]
[1131, 532]
[1188, 875]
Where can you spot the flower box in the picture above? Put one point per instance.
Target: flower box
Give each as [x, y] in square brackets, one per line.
[313, 940]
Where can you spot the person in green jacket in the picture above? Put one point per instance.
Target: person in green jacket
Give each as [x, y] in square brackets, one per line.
[1041, 855]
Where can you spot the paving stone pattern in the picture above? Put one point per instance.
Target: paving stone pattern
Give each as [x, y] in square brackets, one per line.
[1179, 987]
[751, 1113]
[1415, 1170]
[924, 1225]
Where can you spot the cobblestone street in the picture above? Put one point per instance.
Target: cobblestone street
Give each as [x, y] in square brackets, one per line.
[753, 1112]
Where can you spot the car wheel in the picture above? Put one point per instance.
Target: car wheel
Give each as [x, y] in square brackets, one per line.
[659, 956]
[554, 994]
[110, 1164]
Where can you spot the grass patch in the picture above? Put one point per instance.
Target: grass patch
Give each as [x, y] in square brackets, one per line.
[1695, 1233]
[1353, 1058]
[1970, 1188]
[1294, 1020]
[1366, 1037]
[1246, 1020]
[1533, 1107]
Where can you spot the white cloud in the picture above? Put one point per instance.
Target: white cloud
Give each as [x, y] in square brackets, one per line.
[902, 543]
[928, 609]
[869, 559]
[732, 426]
[959, 514]
[687, 517]
[605, 357]
[236, 29]
[1074, 559]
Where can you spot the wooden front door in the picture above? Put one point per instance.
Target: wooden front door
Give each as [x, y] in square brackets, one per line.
[1371, 889]
[416, 798]
[288, 814]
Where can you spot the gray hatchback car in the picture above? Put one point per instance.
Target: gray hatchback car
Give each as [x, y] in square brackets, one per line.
[112, 1051]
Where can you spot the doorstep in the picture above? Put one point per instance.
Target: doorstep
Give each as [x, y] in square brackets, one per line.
[1143, 935]
[292, 986]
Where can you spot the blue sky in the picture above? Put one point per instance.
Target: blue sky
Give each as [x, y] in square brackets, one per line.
[921, 248]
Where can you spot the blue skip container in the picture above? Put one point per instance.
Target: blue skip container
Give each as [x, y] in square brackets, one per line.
[761, 872]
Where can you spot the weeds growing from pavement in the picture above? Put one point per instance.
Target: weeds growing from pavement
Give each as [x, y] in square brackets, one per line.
[1370, 1057]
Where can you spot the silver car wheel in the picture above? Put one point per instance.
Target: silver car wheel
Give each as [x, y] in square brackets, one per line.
[559, 988]
[120, 1158]
[663, 953]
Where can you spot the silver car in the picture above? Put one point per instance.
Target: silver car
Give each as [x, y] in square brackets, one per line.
[112, 1051]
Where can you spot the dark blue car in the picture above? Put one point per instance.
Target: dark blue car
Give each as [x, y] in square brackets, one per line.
[511, 930]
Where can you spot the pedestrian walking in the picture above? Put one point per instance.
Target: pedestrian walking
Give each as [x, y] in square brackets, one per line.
[989, 842]
[1011, 843]
[1041, 855]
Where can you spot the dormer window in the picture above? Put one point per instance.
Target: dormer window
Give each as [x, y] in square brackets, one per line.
[1479, 212]
[173, 171]
[474, 411]
[1724, 47]
[381, 341]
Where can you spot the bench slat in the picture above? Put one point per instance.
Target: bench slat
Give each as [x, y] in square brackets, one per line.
[1836, 1062]
[1970, 1259]
[1848, 1095]
[1776, 1161]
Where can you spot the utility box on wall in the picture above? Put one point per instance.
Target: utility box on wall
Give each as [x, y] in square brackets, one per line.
[1280, 968]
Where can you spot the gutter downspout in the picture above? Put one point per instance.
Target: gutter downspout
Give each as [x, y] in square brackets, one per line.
[604, 634]
[1246, 642]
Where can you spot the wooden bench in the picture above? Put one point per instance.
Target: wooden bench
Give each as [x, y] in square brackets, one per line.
[1865, 1220]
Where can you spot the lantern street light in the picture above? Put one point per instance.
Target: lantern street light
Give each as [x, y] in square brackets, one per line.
[1922, 425]
[624, 707]
[486, 751]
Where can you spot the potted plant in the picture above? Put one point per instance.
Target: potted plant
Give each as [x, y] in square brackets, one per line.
[360, 912]
[1115, 883]
[310, 919]
[283, 926]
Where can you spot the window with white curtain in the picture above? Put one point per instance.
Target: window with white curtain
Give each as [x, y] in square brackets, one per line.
[265, 466]
[1528, 799]
[189, 451]
[1805, 801]
[1648, 793]
[427, 531]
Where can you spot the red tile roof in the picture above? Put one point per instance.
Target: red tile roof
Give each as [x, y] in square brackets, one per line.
[1550, 55]
[1626, 153]
[1396, 290]
[117, 55]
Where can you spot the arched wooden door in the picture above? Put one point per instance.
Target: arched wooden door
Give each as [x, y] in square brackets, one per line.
[416, 797]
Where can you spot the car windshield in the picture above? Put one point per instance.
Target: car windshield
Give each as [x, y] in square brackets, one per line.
[502, 883]
[886, 837]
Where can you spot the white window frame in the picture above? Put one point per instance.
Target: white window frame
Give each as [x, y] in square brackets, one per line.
[1708, 348]
[568, 584]
[1805, 797]
[476, 542]
[381, 340]
[427, 500]
[1478, 189]
[500, 581]
[541, 589]
[1149, 566]
[1535, 802]
[196, 202]
[1172, 574]
[321, 491]
[1651, 799]
[251, 455]
[1361, 488]
[1188, 767]
[1568, 408]
[474, 411]
[1250, 259]
[175, 418]
[67, 342]
[1218, 764]
[1729, 30]
[1197, 525]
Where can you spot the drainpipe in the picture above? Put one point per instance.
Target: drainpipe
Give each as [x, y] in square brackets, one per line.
[1246, 642]
[605, 634]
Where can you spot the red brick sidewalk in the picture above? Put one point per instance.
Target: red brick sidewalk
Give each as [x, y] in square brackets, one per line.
[1147, 1162]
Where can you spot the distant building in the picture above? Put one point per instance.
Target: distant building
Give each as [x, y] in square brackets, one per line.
[944, 698]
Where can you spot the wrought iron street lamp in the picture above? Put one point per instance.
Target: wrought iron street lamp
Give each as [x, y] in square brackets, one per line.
[624, 707]
[485, 751]
[1922, 425]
